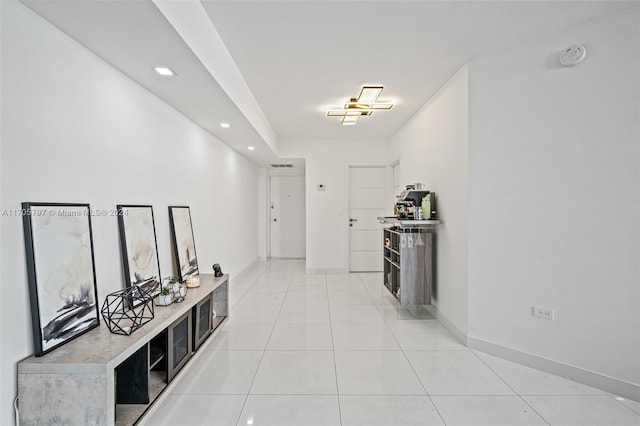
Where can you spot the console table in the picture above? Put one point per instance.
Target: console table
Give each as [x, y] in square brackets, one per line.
[102, 378]
[408, 256]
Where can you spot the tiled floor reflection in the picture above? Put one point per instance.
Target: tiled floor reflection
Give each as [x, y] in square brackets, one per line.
[303, 349]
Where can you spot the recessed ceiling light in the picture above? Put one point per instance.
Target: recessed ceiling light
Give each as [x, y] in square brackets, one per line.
[165, 71]
[363, 105]
[251, 148]
[225, 125]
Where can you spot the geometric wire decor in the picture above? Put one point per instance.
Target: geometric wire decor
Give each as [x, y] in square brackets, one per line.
[127, 310]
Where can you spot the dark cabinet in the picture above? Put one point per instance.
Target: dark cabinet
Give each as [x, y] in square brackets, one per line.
[132, 379]
[202, 321]
[179, 339]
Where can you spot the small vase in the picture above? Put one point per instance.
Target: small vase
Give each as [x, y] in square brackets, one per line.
[182, 290]
[179, 291]
[165, 299]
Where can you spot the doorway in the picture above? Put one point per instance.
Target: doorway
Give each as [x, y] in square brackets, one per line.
[366, 203]
[287, 223]
[395, 173]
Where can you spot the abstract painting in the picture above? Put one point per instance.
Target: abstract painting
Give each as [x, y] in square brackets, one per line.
[61, 272]
[139, 247]
[183, 243]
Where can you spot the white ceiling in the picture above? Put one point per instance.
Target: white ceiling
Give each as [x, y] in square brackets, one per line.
[300, 58]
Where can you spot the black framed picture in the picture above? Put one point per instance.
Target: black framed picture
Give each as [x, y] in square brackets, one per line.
[183, 242]
[139, 247]
[61, 272]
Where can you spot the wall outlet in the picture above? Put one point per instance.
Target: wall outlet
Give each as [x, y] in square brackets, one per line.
[543, 313]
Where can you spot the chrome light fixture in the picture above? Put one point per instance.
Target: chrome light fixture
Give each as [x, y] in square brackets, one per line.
[364, 104]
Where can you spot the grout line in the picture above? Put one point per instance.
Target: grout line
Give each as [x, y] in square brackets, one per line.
[245, 292]
[422, 384]
[381, 394]
[261, 356]
[509, 386]
[435, 407]
[565, 394]
[335, 365]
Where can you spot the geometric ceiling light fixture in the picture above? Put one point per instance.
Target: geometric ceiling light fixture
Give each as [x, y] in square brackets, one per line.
[366, 102]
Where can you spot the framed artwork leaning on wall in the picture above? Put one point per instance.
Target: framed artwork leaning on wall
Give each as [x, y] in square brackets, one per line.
[183, 242]
[139, 247]
[61, 272]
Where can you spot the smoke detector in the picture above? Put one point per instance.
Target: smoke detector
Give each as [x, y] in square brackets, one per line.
[573, 55]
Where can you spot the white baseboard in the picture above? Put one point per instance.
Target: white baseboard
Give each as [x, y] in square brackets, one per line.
[325, 271]
[448, 324]
[286, 258]
[590, 378]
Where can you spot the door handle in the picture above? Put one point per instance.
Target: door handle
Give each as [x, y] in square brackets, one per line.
[275, 220]
[353, 220]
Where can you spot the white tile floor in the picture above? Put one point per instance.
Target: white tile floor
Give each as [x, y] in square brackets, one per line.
[333, 350]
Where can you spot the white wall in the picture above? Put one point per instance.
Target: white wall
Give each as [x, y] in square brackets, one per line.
[76, 130]
[554, 209]
[327, 219]
[433, 149]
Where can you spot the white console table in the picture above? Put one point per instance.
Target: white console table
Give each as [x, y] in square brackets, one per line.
[75, 385]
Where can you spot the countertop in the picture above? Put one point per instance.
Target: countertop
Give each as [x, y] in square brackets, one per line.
[392, 220]
[99, 349]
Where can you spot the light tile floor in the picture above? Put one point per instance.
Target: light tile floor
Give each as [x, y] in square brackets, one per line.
[334, 350]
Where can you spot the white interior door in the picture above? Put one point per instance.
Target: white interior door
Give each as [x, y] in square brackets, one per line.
[396, 179]
[287, 216]
[366, 203]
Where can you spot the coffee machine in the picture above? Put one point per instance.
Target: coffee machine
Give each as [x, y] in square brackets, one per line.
[416, 204]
